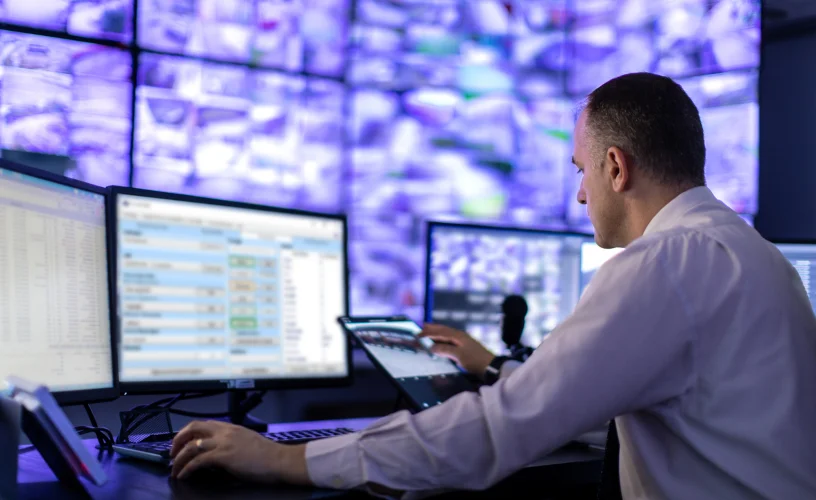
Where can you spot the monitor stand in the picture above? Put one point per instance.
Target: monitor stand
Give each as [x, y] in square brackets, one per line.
[238, 408]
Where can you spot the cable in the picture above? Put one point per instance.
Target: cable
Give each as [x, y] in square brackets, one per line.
[134, 421]
[91, 416]
[193, 414]
[246, 406]
[141, 414]
[103, 435]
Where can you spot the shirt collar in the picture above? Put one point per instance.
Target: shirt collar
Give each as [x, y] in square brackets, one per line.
[679, 206]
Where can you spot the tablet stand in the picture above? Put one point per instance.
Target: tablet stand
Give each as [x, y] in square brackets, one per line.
[10, 428]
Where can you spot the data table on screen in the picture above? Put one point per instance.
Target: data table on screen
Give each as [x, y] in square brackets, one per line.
[54, 310]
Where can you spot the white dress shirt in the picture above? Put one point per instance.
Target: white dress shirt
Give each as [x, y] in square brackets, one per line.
[699, 339]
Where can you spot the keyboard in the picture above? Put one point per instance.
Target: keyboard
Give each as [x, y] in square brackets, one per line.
[159, 451]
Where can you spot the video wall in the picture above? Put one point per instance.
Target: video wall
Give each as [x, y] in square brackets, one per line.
[393, 111]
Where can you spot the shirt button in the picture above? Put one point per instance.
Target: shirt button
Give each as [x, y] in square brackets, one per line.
[337, 481]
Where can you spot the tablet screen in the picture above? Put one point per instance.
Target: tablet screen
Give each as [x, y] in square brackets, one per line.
[425, 379]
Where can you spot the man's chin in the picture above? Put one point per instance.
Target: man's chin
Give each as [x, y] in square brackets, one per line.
[601, 242]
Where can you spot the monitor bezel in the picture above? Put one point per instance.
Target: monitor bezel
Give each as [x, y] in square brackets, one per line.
[804, 242]
[213, 385]
[85, 396]
[431, 225]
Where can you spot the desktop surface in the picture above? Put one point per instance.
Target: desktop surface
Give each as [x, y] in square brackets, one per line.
[55, 305]
[211, 293]
[131, 479]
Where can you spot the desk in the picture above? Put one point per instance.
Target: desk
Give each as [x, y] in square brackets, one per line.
[130, 479]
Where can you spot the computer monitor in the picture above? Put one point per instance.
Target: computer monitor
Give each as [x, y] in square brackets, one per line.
[803, 257]
[470, 269]
[55, 288]
[216, 295]
[592, 258]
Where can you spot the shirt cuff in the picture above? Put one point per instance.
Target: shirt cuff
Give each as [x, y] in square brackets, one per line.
[335, 462]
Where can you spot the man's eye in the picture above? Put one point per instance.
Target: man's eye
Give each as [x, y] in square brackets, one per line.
[579, 171]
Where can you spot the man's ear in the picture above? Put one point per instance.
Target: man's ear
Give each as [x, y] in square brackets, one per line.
[618, 169]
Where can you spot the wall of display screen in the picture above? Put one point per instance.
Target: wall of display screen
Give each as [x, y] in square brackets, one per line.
[394, 111]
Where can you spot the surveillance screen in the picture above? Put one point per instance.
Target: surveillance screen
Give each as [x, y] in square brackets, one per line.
[462, 110]
[302, 35]
[108, 19]
[472, 269]
[395, 112]
[231, 132]
[65, 106]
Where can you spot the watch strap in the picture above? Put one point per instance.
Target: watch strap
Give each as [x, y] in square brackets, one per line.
[493, 370]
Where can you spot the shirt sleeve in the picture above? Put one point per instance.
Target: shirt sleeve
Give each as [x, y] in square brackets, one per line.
[509, 367]
[628, 345]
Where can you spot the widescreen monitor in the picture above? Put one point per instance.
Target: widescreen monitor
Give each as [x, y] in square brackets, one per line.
[471, 269]
[803, 257]
[592, 258]
[218, 295]
[55, 300]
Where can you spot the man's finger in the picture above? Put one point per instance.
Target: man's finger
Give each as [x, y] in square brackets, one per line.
[206, 459]
[188, 453]
[193, 430]
[446, 350]
[439, 333]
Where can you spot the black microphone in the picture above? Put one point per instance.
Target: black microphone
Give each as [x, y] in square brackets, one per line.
[515, 310]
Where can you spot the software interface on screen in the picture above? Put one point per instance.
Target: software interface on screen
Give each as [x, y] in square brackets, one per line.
[473, 269]
[210, 292]
[54, 310]
[395, 346]
[427, 379]
[803, 258]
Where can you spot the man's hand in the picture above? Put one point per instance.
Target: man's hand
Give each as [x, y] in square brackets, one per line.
[458, 346]
[239, 451]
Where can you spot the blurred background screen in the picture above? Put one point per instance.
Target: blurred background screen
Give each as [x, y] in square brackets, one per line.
[393, 111]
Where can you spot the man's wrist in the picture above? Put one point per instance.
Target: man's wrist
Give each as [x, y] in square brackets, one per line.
[493, 370]
[291, 465]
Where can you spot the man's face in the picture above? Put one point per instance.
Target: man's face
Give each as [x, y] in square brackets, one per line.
[603, 206]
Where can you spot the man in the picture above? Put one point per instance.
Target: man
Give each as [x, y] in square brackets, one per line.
[698, 339]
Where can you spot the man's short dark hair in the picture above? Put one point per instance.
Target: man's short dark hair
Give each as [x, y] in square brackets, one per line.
[654, 122]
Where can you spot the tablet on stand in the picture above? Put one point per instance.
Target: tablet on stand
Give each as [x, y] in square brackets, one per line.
[391, 343]
[50, 431]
